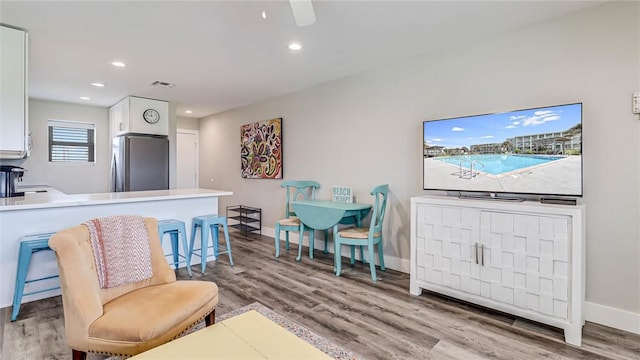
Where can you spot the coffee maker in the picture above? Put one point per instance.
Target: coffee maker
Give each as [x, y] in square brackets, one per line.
[9, 177]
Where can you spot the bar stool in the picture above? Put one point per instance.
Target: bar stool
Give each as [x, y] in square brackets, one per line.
[174, 228]
[206, 222]
[29, 245]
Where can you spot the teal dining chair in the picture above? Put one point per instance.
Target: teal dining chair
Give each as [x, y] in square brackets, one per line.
[360, 236]
[295, 190]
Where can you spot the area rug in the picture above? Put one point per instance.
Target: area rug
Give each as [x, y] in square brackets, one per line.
[322, 344]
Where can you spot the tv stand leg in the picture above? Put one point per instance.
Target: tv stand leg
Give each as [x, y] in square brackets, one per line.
[414, 289]
[573, 335]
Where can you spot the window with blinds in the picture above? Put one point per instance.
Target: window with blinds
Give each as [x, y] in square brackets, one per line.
[71, 141]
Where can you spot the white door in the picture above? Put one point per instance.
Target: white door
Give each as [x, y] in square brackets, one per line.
[187, 158]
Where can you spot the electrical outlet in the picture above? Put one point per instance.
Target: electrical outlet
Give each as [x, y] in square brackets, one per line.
[636, 102]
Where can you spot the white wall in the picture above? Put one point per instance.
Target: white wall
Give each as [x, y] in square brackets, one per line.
[365, 130]
[68, 178]
[187, 123]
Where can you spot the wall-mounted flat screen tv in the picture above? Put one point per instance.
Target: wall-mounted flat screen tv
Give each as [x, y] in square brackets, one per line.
[532, 151]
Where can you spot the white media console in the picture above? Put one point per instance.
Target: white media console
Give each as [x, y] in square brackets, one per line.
[523, 258]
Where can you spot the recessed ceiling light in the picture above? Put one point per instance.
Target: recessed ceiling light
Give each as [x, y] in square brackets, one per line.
[85, 98]
[118, 64]
[188, 112]
[97, 84]
[295, 46]
[264, 14]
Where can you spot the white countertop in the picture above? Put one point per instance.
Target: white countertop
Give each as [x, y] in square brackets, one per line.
[54, 198]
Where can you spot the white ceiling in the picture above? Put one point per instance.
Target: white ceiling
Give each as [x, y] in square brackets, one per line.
[222, 54]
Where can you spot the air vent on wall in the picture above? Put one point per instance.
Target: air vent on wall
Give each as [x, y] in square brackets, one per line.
[163, 84]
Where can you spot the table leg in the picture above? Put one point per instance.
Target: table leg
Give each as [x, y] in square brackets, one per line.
[311, 242]
[300, 241]
[326, 241]
[337, 253]
[359, 221]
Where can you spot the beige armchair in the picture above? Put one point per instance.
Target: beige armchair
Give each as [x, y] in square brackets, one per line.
[127, 319]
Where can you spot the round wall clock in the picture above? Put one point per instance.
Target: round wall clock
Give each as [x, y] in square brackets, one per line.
[151, 116]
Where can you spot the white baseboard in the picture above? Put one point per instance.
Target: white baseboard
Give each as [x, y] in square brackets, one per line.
[612, 317]
[599, 314]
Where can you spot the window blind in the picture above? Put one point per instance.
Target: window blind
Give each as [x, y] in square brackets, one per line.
[71, 142]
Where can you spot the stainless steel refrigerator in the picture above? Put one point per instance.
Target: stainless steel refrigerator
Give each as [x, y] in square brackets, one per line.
[140, 162]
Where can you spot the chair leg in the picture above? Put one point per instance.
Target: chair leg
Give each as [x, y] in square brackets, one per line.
[185, 248]
[228, 241]
[215, 235]
[192, 245]
[204, 245]
[353, 254]
[174, 247]
[286, 240]
[78, 355]
[381, 255]
[210, 319]
[277, 240]
[21, 278]
[372, 262]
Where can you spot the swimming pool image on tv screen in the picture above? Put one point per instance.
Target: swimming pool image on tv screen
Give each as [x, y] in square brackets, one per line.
[531, 151]
[498, 164]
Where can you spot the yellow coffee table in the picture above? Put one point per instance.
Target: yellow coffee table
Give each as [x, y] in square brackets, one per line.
[246, 336]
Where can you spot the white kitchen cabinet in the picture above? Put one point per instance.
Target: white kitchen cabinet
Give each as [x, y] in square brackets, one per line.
[525, 258]
[128, 116]
[14, 140]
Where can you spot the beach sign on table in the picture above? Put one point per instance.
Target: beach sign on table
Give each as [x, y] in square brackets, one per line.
[342, 194]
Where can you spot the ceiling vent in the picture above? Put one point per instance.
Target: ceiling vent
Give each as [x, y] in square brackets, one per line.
[163, 84]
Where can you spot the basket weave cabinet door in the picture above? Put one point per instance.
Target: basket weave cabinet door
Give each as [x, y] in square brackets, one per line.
[526, 261]
[446, 243]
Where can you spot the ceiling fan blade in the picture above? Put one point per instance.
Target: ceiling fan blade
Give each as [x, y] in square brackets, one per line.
[303, 12]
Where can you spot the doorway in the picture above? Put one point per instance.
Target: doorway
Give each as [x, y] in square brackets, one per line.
[187, 158]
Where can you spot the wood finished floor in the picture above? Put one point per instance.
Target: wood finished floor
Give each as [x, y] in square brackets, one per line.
[376, 320]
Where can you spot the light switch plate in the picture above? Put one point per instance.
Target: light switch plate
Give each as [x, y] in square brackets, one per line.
[636, 102]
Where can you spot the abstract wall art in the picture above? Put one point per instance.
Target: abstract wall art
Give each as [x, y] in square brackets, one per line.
[261, 149]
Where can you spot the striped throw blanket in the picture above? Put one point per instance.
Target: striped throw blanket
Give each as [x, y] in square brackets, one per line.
[121, 250]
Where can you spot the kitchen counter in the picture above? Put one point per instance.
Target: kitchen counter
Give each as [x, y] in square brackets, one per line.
[54, 198]
[52, 211]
